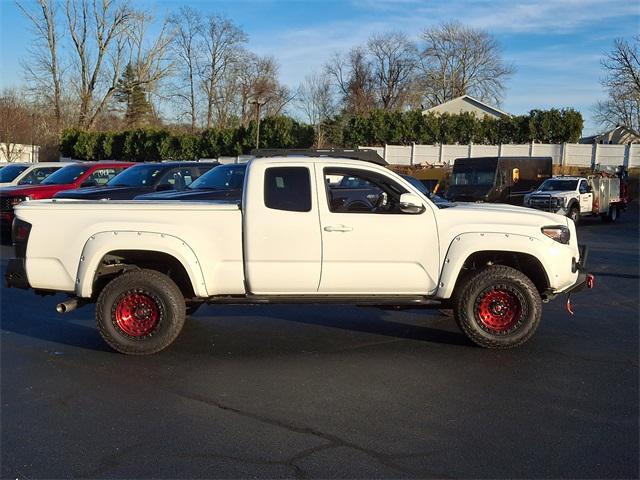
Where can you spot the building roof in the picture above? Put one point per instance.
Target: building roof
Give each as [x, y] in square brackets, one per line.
[471, 100]
[618, 135]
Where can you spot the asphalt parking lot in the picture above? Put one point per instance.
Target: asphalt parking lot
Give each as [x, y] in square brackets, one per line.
[331, 392]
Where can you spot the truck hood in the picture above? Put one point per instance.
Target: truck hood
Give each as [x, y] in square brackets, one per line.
[497, 217]
[34, 191]
[559, 193]
[105, 192]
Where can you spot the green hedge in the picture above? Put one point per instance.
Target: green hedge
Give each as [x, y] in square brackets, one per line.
[402, 128]
[378, 128]
[143, 145]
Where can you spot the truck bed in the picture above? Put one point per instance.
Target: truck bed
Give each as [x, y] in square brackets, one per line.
[207, 233]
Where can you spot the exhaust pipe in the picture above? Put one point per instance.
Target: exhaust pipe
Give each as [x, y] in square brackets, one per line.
[68, 305]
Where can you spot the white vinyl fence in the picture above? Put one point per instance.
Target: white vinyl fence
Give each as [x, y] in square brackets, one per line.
[16, 152]
[565, 154]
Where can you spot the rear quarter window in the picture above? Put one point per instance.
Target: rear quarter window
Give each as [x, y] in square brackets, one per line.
[287, 188]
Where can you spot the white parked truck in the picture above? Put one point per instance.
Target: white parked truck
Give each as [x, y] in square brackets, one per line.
[576, 197]
[293, 239]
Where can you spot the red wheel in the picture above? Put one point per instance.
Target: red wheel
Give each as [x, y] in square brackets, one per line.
[498, 310]
[137, 314]
[497, 307]
[140, 312]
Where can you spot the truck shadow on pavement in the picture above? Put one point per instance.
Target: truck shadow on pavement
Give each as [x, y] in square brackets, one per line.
[211, 321]
[223, 326]
[58, 330]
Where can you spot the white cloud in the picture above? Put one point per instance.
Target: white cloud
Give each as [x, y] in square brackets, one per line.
[541, 16]
[302, 50]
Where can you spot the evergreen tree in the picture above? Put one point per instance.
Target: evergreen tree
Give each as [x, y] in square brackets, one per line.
[129, 91]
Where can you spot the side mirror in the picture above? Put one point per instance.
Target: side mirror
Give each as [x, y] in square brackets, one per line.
[411, 203]
[589, 189]
[88, 183]
[515, 175]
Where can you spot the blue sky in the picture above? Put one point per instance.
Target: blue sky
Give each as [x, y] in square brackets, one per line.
[555, 45]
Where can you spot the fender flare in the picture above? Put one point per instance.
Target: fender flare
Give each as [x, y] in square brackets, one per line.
[466, 244]
[100, 244]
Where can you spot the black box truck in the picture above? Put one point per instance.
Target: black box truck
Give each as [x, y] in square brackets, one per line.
[497, 179]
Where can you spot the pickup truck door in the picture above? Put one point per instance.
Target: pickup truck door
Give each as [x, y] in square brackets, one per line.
[377, 249]
[586, 197]
[281, 229]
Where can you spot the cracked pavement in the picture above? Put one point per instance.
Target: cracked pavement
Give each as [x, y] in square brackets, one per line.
[330, 391]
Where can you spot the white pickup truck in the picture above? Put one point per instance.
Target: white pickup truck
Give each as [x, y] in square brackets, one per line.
[294, 238]
[577, 197]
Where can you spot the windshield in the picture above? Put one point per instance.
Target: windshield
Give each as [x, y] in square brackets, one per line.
[557, 185]
[473, 176]
[138, 176]
[226, 177]
[65, 175]
[10, 172]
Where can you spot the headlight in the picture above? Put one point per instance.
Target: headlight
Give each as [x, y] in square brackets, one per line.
[559, 233]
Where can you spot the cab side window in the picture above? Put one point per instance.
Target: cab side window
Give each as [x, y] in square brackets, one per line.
[287, 188]
[179, 178]
[583, 187]
[360, 191]
[101, 176]
[38, 175]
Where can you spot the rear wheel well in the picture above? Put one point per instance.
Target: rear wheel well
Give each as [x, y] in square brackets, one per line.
[118, 261]
[523, 262]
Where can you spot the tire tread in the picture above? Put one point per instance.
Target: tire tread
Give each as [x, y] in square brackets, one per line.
[495, 274]
[133, 279]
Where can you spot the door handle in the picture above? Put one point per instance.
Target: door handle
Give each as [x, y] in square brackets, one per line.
[337, 228]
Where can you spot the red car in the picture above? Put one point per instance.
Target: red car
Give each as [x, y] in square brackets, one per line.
[85, 174]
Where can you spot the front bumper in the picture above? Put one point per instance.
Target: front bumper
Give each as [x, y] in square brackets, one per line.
[585, 279]
[16, 274]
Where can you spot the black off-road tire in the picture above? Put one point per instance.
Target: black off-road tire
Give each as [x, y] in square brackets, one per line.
[476, 288]
[168, 301]
[574, 214]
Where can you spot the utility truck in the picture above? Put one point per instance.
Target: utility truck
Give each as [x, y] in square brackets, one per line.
[600, 194]
[147, 264]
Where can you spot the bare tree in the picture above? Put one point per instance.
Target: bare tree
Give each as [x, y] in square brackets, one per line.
[316, 100]
[393, 61]
[259, 88]
[187, 47]
[223, 42]
[458, 60]
[352, 75]
[148, 55]
[98, 31]
[43, 69]
[622, 82]
[16, 124]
